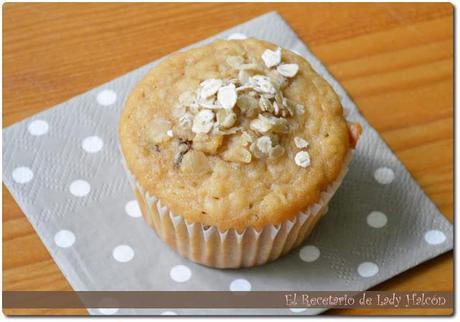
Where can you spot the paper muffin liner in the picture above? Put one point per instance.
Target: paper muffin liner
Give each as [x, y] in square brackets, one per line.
[208, 246]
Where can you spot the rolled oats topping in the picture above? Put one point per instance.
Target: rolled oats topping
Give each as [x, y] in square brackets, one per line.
[209, 103]
[237, 154]
[264, 144]
[279, 124]
[240, 118]
[292, 107]
[262, 84]
[265, 104]
[278, 80]
[276, 108]
[302, 159]
[226, 118]
[207, 143]
[262, 124]
[300, 143]
[271, 58]
[246, 139]
[227, 96]
[288, 70]
[209, 87]
[243, 77]
[186, 120]
[203, 122]
[248, 105]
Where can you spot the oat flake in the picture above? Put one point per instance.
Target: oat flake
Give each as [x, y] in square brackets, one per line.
[210, 87]
[302, 159]
[264, 144]
[203, 121]
[227, 96]
[288, 70]
[300, 143]
[271, 58]
[262, 83]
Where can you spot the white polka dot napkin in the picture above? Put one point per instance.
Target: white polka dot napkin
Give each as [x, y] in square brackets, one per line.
[64, 169]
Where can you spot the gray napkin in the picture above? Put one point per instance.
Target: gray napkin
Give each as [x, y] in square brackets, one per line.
[64, 169]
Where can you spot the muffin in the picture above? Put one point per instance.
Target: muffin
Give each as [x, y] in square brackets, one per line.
[234, 150]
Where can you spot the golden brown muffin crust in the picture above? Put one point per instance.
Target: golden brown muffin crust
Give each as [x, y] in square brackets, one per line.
[213, 190]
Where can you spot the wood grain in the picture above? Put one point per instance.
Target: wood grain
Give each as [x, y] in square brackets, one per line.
[395, 61]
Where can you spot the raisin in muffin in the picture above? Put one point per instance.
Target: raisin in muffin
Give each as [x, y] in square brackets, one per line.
[234, 150]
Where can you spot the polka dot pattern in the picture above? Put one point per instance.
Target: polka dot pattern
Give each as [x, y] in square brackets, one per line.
[240, 285]
[92, 144]
[384, 175]
[309, 253]
[37, 130]
[80, 188]
[106, 97]
[64, 238]
[435, 237]
[377, 219]
[368, 269]
[123, 253]
[180, 273]
[38, 127]
[132, 209]
[22, 175]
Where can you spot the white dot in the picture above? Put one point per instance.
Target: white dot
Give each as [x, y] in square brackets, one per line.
[237, 36]
[92, 144]
[168, 313]
[435, 237]
[240, 285]
[108, 306]
[180, 273]
[106, 97]
[384, 175]
[297, 310]
[64, 238]
[38, 127]
[22, 175]
[377, 219]
[132, 209]
[108, 311]
[368, 269]
[309, 253]
[123, 253]
[79, 188]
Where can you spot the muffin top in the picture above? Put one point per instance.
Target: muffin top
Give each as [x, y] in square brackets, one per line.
[234, 134]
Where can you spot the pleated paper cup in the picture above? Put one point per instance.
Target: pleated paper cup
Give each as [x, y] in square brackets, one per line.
[208, 246]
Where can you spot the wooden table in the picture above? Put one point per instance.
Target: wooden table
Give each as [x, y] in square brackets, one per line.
[395, 61]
